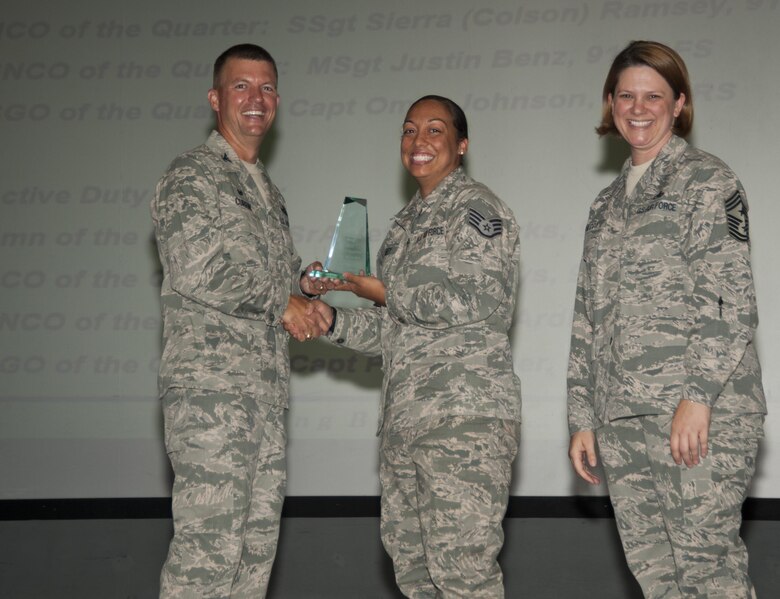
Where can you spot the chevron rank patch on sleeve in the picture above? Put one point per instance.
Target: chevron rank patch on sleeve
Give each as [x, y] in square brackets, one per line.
[737, 217]
[487, 227]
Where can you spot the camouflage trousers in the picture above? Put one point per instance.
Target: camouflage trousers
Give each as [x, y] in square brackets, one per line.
[228, 459]
[680, 526]
[445, 489]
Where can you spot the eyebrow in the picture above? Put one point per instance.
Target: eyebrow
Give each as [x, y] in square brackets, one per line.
[245, 79]
[428, 121]
[646, 91]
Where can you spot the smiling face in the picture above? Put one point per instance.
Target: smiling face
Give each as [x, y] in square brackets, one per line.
[644, 109]
[430, 149]
[245, 103]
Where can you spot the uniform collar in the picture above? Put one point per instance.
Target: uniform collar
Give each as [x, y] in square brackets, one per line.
[660, 169]
[419, 205]
[219, 145]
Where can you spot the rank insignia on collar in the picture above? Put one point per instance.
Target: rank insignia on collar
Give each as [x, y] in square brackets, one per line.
[487, 227]
[737, 217]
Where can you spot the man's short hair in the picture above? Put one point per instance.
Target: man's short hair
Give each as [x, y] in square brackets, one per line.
[245, 52]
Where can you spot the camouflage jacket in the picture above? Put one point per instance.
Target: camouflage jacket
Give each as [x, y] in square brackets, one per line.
[229, 267]
[665, 307]
[450, 264]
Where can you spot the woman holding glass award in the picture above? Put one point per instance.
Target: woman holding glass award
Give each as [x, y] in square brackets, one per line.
[447, 278]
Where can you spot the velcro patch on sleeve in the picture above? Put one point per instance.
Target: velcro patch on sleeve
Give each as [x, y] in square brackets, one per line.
[487, 227]
[737, 217]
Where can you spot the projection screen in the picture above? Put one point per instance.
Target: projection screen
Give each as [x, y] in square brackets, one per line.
[97, 98]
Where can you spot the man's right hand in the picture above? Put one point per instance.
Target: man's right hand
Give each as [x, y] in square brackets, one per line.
[305, 319]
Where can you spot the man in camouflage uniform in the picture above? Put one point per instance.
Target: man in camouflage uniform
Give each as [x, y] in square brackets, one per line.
[231, 286]
[664, 320]
[450, 414]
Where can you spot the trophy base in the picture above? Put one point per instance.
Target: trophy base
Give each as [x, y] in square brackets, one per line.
[326, 274]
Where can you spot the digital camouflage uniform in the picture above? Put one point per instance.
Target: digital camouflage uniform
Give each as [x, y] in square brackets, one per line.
[229, 267]
[665, 310]
[449, 421]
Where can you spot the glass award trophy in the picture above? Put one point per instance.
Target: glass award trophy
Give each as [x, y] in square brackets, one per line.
[349, 247]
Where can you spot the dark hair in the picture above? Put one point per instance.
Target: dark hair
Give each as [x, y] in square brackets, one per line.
[456, 112]
[242, 51]
[664, 61]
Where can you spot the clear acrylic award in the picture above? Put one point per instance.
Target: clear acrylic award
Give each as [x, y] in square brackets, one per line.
[349, 251]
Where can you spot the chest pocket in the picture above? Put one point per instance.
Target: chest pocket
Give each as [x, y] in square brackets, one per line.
[428, 256]
[391, 253]
[276, 226]
[591, 244]
[245, 238]
[656, 230]
[659, 217]
[591, 256]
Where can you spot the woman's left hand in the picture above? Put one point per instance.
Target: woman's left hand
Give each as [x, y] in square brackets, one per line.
[690, 432]
[368, 287]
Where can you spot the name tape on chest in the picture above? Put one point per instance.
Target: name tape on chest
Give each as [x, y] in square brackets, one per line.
[431, 232]
[662, 205]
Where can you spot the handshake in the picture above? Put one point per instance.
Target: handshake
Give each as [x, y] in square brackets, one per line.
[304, 318]
[307, 319]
